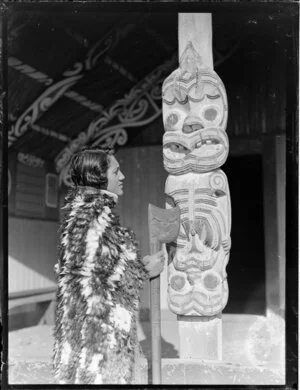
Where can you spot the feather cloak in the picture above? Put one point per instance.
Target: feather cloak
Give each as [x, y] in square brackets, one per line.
[99, 277]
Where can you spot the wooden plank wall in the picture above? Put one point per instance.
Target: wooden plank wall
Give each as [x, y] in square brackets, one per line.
[32, 254]
[27, 197]
[30, 191]
[257, 95]
[32, 227]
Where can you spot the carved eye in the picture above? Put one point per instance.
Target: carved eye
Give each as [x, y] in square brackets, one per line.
[178, 148]
[211, 281]
[210, 114]
[172, 119]
[177, 282]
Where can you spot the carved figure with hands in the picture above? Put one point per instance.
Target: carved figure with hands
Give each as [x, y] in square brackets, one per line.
[154, 264]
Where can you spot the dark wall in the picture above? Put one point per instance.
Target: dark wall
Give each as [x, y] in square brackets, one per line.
[246, 267]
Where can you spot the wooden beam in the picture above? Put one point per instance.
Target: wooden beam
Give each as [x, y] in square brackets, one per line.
[29, 71]
[120, 68]
[20, 298]
[43, 78]
[196, 28]
[274, 181]
[50, 133]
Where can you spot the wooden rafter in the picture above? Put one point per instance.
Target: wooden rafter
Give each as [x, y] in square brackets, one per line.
[68, 79]
[50, 133]
[139, 107]
[120, 68]
[107, 59]
[43, 78]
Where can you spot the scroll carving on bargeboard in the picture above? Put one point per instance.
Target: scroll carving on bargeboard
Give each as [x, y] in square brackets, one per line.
[195, 146]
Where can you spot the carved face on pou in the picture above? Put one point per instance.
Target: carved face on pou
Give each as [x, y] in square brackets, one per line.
[195, 116]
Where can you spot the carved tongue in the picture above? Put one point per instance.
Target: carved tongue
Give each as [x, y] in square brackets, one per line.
[191, 124]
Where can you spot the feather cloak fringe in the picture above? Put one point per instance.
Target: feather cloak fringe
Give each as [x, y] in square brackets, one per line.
[99, 276]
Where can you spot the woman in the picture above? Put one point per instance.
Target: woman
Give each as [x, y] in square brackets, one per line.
[100, 277]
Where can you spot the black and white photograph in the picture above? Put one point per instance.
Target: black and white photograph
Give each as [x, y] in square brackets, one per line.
[149, 193]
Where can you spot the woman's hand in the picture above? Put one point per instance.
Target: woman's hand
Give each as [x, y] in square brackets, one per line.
[154, 264]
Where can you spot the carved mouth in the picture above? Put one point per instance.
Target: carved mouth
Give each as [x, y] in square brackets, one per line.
[208, 141]
[177, 147]
[206, 147]
[204, 150]
[178, 150]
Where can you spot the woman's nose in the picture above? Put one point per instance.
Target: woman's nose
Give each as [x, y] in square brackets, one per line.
[122, 177]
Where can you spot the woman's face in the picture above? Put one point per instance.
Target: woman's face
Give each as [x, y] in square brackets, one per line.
[115, 177]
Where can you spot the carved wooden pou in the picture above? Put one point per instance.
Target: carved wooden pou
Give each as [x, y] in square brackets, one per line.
[195, 146]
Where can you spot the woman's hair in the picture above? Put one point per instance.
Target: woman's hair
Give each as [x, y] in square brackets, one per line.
[89, 167]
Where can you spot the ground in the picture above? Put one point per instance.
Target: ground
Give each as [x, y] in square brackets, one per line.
[252, 353]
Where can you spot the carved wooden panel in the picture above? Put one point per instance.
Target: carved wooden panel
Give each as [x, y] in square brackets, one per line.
[195, 146]
[163, 226]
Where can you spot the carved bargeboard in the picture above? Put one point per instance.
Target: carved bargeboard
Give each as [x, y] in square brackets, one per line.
[195, 145]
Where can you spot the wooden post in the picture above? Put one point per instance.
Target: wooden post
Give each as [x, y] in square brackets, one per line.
[274, 187]
[195, 146]
[163, 228]
[274, 218]
[196, 28]
[200, 336]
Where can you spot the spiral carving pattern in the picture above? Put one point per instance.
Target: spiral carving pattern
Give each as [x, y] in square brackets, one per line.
[218, 181]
